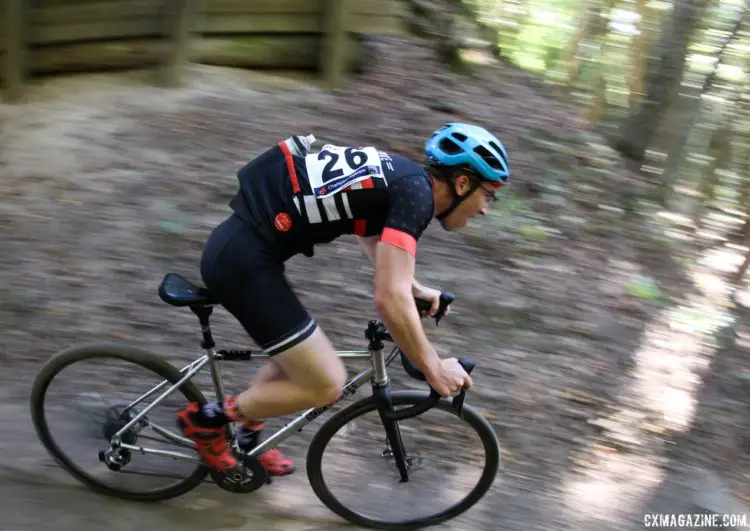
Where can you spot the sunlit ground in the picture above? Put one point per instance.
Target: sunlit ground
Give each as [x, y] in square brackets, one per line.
[676, 349]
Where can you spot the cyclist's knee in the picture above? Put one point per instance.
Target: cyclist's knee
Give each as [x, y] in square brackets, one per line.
[327, 395]
[336, 381]
[328, 384]
[313, 364]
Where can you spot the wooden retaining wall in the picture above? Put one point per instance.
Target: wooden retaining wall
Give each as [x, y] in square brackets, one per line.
[52, 36]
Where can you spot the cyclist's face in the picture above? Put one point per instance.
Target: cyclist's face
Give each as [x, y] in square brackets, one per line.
[478, 202]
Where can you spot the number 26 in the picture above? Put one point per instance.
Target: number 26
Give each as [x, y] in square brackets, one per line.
[354, 159]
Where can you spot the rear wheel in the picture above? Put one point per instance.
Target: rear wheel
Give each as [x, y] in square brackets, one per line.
[452, 461]
[85, 393]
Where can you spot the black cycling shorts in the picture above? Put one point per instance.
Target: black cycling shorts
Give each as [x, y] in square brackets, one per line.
[246, 275]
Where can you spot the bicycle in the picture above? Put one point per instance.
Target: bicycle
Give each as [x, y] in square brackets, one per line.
[125, 423]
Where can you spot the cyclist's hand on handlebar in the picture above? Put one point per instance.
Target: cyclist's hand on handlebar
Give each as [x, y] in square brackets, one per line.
[450, 378]
[430, 295]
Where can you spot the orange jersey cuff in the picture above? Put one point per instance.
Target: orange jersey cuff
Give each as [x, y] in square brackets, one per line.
[399, 239]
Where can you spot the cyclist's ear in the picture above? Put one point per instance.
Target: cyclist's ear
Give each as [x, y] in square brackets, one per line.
[462, 183]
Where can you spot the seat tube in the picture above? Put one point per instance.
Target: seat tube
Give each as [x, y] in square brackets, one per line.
[216, 374]
[203, 313]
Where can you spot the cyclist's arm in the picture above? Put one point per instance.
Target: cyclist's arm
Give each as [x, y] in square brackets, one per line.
[368, 244]
[394, 302]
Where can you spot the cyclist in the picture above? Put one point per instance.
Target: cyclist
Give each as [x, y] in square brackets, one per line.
[290, 200]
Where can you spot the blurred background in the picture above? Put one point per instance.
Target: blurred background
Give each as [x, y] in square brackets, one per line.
[604, 297]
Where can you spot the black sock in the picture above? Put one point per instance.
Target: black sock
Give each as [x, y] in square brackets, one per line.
[248, 437]
[212, 415]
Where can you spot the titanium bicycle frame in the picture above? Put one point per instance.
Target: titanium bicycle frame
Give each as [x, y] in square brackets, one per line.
[212, 357]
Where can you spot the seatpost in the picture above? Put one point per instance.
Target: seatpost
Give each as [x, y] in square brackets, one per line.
[203, 313]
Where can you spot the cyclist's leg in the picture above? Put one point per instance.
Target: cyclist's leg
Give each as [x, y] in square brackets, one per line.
[315, 375]
[245, 274]
[269, 372]
[286, 386]
[250, 433]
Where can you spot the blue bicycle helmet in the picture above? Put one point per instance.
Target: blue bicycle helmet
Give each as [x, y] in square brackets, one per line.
[460, 144]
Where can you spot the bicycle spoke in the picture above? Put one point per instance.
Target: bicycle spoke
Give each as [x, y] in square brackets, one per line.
[450, 462]
[127, 399]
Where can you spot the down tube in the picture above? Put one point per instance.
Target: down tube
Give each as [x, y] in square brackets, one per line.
[310, 415]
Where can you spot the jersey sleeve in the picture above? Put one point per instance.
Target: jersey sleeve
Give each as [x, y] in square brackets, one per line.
[410, 211]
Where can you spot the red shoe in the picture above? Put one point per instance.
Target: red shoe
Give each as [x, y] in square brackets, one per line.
[211, 442]
[275, 463]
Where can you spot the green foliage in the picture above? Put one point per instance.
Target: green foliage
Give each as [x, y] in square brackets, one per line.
[171, 227]
[539, 36]
[644, 288]
[533, 233]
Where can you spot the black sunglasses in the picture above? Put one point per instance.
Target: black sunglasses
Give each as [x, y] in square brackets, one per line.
[489, 195]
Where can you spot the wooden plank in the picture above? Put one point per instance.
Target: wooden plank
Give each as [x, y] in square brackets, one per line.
[14, 70]
[101, 20]
[334, 49]
[276, 51]
[262, 23]
[267, 7]
[93, 56]
[382, 8]
[317, 7]
[53, 3]
[95, 12]
[297, 23]
[179, 19]
[292, 52]
[376, 25]
[105, 30]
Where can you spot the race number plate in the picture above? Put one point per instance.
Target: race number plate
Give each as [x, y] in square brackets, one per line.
[336, 167]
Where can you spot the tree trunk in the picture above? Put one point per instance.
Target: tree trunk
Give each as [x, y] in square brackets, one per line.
[745, 171]
[592, 27]
[595, 111]
[639, 58]
[739, 275]
[663, 76]
[679, 124]
[642, 43]
[178, 19]
[688, 113]
[743, 115]
[720, 148]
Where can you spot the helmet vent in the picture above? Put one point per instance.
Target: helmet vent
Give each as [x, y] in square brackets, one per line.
[449, 146]
[498, 150]
[459, 136]
[488, 157]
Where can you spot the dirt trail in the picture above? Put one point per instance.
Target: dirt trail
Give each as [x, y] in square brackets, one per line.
[107, 183]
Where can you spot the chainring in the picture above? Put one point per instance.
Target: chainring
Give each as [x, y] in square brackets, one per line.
[249, 476]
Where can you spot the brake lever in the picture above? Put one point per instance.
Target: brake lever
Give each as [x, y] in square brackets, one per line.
[446, 297]
[458, 400]
[458, 403]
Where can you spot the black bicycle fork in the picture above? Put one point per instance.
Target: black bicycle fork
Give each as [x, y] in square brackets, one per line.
[382, 394]
[377, 333]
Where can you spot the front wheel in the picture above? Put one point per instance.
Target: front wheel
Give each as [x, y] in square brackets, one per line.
[452, 462]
